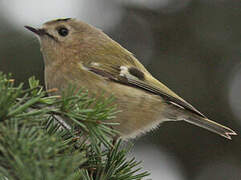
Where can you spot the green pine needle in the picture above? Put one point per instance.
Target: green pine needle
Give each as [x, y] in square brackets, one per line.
[52, 137]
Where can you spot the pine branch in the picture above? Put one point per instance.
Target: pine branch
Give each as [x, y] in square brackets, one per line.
[52, 137]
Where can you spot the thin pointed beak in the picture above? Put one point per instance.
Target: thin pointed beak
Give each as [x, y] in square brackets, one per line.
[39, 32]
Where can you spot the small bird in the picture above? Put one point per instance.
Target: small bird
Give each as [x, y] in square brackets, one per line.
[78, 53]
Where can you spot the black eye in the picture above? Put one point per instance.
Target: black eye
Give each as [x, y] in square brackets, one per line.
[63, 31]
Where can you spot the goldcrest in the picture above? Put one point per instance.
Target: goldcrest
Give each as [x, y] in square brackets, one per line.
[78, 53]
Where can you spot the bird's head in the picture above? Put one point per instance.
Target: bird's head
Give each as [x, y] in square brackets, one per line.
[66, 38]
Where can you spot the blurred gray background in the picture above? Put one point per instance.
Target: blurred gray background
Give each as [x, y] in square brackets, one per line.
[193, 46]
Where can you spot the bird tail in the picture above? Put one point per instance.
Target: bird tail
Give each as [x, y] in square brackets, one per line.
[211, 126]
